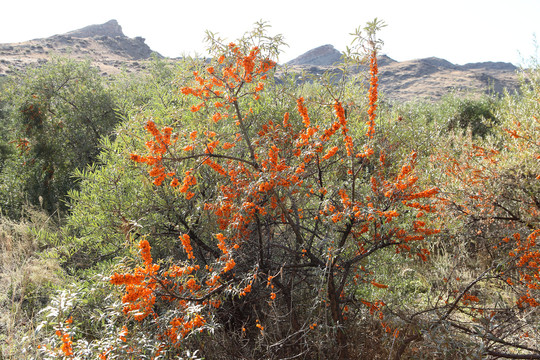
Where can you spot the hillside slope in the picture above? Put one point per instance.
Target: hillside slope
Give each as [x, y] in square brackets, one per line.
[429, 78]
[106, 46]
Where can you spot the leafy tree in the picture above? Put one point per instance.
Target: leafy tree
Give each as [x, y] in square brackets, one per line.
[476, 115]
[58, 113]
[6, 149]
[111, 206]
[455, 112]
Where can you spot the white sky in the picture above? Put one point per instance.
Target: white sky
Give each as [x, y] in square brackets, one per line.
[459, 31]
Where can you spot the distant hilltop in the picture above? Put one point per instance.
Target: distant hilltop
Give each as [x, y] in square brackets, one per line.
[106, 46]
[111, 36]
[327, 55]
[429, 78]
[322, 56]
[111, 28]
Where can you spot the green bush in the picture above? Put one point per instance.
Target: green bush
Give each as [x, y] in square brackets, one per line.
[55, 115]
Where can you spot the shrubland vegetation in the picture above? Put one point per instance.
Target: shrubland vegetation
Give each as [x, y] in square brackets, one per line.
[206, 210]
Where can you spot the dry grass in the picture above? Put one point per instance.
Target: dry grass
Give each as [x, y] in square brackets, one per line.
[24, 280]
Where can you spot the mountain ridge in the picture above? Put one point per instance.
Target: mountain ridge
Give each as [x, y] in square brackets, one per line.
[327, 55]
[426, 78]
[106, 46]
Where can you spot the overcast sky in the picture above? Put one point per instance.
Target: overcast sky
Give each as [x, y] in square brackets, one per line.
[460, 31]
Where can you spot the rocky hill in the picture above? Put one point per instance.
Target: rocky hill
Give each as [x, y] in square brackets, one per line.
[110, 50]
[105, 45]
[428, 78]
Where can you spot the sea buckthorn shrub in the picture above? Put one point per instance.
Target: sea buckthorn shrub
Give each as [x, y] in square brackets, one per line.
[299, 206]
[247, 217]
[484, 293]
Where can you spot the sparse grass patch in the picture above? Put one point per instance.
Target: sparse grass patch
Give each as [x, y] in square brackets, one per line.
[26, 279]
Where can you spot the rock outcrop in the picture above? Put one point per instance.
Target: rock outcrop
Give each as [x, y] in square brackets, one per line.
[111, 29]
[105, 45]
[110, 35]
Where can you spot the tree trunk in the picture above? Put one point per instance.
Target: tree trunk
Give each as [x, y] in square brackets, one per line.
[337, 319]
